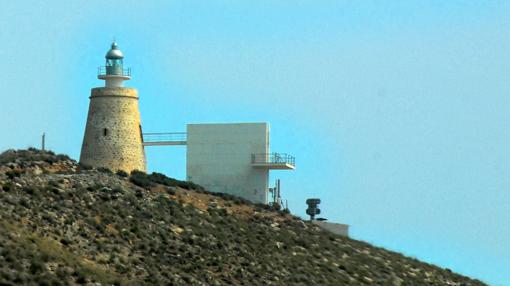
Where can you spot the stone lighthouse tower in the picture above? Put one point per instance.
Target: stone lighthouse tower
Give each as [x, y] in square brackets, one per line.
[113, 135]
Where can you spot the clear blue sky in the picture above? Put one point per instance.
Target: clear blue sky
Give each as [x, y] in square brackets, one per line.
[397, 111]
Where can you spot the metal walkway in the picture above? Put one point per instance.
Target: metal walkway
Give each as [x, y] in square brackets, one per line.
[164, 139]
[273, 160]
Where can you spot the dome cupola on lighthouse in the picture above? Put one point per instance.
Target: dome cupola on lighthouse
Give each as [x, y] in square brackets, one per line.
[114, 72]
[114, 53]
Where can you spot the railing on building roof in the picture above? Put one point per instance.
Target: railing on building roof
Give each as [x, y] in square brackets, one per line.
[113, 70]
[273, 160]
[161, 139]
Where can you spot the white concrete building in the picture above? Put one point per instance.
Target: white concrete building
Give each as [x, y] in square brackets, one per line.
[231, 158]
[336, 228]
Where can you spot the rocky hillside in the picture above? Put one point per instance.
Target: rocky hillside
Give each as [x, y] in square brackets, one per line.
[62, 224]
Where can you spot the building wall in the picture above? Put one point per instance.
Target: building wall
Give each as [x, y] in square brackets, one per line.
[336, 228]
[218, 157]
[113, 137]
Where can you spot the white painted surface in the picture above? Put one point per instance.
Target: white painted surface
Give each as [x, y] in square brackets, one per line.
[114, 80]
[219, 158]
[336, 228]
[274, 166]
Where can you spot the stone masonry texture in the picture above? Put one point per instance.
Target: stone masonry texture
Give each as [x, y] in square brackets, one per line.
[113, 134]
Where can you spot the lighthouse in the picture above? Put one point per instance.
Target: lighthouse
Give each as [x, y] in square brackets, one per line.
[113, 134]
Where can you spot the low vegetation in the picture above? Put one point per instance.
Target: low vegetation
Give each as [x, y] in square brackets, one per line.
[62, 224]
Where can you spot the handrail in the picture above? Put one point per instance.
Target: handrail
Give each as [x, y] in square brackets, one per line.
[273, 158]
[102, 70]
[165, 137]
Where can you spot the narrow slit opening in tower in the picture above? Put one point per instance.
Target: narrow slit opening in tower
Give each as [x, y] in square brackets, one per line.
[105, 132]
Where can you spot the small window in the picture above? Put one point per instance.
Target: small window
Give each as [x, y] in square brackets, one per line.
[105, 132]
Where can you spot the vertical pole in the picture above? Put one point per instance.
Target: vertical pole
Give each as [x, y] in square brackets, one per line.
[278, 198]
[43, 141]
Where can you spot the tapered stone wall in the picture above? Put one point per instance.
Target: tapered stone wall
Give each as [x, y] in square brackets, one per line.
[113, 135]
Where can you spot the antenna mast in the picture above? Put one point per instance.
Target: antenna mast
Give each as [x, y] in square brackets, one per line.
[43, 141]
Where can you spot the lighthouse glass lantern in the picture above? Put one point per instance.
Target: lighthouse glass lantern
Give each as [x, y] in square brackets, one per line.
[114, 73]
